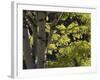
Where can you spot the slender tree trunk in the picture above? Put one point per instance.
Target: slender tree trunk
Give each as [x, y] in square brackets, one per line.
[41, 41]
[34, 46]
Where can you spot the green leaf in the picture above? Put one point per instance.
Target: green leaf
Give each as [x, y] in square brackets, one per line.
[52, 46]
[61, 27]
[49, 51]
[55, 36]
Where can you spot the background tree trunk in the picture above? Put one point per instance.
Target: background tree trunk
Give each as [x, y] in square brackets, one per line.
[41, 40]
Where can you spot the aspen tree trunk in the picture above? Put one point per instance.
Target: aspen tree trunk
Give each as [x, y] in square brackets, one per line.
[41, 42]
[27, 50]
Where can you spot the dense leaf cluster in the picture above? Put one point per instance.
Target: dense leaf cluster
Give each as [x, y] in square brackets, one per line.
[71, 41]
